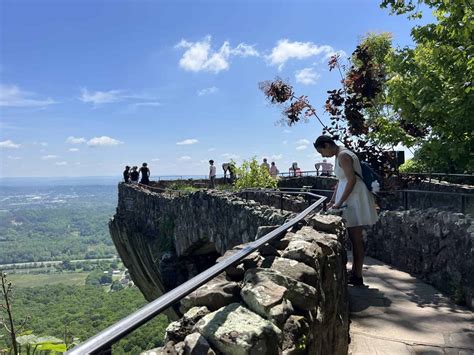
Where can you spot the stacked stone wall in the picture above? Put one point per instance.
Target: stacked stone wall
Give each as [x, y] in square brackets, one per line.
[288, 298]
[436, 245]
[165, 240]
[284, 202]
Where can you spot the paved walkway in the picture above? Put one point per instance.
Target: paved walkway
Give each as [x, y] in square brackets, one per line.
[395, 313]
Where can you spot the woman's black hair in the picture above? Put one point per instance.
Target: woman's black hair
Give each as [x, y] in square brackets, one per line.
[321, 142]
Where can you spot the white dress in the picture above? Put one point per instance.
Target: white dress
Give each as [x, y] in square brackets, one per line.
[360, 210]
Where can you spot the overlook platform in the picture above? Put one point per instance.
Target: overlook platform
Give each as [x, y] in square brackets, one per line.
[395, 313]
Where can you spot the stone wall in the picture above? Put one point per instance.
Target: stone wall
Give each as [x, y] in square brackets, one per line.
[288, 298]
[446, 195]
[389, 200]
[436, 245]
[434, 194]
[316, 182]
[292, 203]
[164, 240]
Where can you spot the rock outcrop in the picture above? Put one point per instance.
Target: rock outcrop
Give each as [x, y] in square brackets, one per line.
[293, 303]
[289, 297]
[165, 240]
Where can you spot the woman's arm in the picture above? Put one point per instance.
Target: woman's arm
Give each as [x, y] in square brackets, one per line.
[333, 198]
[346, 163]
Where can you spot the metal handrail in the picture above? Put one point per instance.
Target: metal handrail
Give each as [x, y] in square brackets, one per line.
[104, 339]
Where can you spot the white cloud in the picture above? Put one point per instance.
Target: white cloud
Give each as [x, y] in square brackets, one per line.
[303, 142]
[100, 97]
[13, 158]
[286, 50]
[277, 157]
[12, 96]
[60, 163]
[103, 141]
[74, 140]
[49, 157]
[155, 159]
[147, 104]
[185, 157]
[73, 149]
[285, 142]
[187, 142]
[307, 76]
[286, 131]
[199, 56]
[207, 91]
[9, 144]
[211, 149]
[301, 147]
[244, 50]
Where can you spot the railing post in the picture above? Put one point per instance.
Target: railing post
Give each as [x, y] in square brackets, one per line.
[463, 203]
[281, 202]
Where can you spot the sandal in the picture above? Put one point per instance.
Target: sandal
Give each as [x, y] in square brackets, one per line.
[356, 281]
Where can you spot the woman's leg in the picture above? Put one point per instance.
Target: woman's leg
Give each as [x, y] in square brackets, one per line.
[355, 235]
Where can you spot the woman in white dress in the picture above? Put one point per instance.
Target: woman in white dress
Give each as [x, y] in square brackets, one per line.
[352, 196]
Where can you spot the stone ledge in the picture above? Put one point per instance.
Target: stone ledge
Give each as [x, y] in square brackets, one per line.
[302, 310]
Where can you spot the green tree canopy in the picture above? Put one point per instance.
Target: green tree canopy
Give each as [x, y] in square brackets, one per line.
[430, 85]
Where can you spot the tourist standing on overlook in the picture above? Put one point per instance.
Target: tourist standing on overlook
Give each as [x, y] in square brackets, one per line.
[126, 174]
[274, 170]
[134, 174]
[353, 197]
[145, 180]
[265, 164]
[212, 174]
[326, 168]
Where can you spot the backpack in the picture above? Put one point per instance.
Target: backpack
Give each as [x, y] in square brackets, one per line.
[369, 176]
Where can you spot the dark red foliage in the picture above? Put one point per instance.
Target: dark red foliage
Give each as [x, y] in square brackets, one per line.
[333, 61]
[361, 84]
[412, 129]
[277, 91]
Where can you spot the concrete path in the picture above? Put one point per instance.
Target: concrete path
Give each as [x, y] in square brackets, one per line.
[395, 313]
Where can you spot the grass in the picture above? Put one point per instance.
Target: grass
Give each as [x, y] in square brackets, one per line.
[32, 280]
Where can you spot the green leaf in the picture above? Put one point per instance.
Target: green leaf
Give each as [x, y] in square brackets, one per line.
[53, 347]
[30, 339]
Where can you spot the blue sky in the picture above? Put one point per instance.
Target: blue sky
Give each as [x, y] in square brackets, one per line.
[89, 86]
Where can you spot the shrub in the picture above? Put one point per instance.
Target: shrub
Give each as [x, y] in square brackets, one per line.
[252, 174]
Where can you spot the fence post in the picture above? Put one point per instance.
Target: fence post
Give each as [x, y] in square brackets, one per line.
[281, 203]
